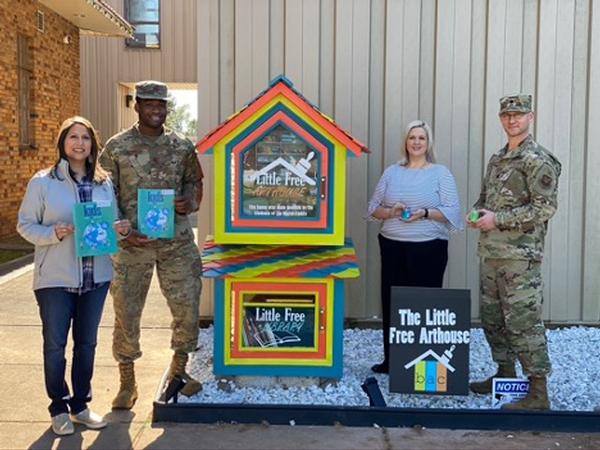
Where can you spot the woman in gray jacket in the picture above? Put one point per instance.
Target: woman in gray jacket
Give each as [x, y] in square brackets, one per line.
[69, 290]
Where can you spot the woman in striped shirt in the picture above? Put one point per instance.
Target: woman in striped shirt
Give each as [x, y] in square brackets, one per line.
[417, 203]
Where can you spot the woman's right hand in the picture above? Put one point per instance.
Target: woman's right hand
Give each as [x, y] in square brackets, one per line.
[397, 209]
[62, 229]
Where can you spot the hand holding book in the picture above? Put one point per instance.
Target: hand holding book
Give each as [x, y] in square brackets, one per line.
[183, 205]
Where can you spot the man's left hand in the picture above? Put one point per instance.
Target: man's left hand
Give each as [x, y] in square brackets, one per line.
[487, 222]
[183, 205]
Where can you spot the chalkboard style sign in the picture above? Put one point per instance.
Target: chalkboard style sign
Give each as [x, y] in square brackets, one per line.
[276, 321]
[429, 341]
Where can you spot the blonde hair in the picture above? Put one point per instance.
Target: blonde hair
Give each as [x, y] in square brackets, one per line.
[429, 154]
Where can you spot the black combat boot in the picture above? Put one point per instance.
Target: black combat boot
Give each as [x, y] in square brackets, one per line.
[177, 369]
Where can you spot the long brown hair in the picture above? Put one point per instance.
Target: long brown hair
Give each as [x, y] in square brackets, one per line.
[94, 170]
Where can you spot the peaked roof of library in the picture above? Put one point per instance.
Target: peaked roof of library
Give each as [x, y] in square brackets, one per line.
[281, 85]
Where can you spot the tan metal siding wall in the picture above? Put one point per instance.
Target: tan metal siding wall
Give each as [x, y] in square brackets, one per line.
[107, 62]
[376, 65]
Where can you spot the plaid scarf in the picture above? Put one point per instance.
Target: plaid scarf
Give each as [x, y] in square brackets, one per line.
[84, 188]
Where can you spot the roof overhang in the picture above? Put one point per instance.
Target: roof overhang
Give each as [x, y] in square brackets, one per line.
[91, 17]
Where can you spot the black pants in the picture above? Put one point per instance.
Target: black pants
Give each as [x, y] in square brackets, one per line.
[419, 264]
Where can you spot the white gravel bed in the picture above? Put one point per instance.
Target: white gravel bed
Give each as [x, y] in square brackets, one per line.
[575, 355]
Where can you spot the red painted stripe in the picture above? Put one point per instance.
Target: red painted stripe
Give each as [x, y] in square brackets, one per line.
[274, 223]
[316, 265]
[230, 125]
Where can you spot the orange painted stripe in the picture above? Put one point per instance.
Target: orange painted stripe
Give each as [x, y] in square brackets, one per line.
[230, 125]
[274, 223]
[315, 265]
[236, 346]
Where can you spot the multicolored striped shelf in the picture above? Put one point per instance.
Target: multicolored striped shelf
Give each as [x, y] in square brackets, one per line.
[278, 261]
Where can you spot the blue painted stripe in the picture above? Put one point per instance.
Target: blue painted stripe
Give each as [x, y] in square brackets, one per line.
[330, 182]
[431, 376]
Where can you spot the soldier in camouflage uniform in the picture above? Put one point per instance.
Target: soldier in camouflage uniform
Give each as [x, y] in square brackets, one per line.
[518, 197]
[150, 156]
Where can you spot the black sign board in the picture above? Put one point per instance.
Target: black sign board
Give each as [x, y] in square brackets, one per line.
[429, 340]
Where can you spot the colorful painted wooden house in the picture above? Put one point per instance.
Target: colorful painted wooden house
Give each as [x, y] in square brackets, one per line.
[279, 309]
[280, 172]
[279, 256]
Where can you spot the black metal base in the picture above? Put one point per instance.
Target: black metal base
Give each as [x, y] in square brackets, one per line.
[367, 416]
[557, 421]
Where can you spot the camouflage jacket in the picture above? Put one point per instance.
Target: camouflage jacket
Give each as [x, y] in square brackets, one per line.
[520, 186]
[168, 161]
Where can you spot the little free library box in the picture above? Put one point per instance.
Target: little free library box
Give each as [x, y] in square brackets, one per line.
[279, 310]
[280, 172]
[279, 255]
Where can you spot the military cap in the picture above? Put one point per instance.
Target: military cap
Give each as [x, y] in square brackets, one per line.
[515, 103]
[151, 90]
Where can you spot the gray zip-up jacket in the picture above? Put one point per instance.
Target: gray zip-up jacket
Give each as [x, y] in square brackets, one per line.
[50, 200]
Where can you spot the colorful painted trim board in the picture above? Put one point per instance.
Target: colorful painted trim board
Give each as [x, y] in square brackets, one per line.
[229, 360]
[269, 261]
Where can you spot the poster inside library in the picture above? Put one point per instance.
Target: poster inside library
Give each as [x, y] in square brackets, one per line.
[280, 176]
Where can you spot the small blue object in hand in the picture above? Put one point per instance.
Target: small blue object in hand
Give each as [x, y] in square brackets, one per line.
[406, 214]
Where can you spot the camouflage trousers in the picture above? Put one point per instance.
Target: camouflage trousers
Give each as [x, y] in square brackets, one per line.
[178, 266]
[511, 313]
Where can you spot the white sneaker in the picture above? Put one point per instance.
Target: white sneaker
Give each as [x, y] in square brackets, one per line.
[90, 419]
[62, 425]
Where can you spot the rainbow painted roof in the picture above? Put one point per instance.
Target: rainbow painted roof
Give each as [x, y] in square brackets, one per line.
[280, 85]
[278, 261]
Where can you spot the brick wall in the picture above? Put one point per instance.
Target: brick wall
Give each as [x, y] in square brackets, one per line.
[55, 96]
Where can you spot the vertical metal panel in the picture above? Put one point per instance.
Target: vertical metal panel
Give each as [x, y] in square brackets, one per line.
[375, 159]
[576, 176]
[327, 56]
[591, 262]
[276, 38]
[343, 87]
[553, 131]
[209, 26]
[427, 64]
[452, 113]
[357, 186]
[475, 165]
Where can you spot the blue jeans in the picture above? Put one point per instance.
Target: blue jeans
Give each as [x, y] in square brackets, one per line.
[58, 309]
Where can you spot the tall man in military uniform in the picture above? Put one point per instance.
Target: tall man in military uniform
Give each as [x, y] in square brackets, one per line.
[517, 199]
[150, 156]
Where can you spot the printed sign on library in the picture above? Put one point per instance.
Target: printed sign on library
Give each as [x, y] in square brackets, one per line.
[280, 178]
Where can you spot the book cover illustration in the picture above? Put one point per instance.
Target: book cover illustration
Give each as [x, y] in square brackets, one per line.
[156, 213]
[94, 232]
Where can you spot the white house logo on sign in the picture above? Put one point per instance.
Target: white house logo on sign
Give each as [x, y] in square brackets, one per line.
[508, 390]
[294, 176]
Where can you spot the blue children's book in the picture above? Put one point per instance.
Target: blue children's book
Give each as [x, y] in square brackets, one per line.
[156, 213]
[94, 232]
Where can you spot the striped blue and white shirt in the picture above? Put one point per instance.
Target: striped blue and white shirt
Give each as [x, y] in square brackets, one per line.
[429, 187]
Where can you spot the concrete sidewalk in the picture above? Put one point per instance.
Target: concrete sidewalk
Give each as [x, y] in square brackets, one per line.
[25, 424]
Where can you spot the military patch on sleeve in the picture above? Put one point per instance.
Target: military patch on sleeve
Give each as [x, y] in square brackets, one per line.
[545, 180]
